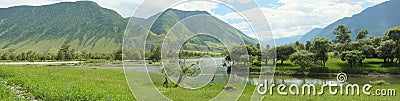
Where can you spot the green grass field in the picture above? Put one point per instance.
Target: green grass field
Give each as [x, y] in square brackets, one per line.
[52, 83]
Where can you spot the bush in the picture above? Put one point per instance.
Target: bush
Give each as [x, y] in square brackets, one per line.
[319, 70]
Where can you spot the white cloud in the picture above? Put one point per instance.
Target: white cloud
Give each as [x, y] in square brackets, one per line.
[292, 17]
[296, 17]
[197, 5]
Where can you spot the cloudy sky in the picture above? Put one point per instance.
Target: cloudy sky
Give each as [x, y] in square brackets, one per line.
[286, 17]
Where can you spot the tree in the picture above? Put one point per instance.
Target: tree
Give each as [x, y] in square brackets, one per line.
[84, 55]
[352, 57]
[320, 48]
[63, 53]
[342, 34]
[235, 53]
[118, 54]
[308, 45]
[299, 45]
[283, 52]
[156, 54]
[362, 34]
[186, 71]
[71, 54]
[386, 51]
[394, 34]
[368, 50]
[304, 59]
[269, 54]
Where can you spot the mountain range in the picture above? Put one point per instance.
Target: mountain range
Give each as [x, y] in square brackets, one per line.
[86, 26]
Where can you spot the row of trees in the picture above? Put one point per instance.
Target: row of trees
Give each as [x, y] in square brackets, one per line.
[386, 47]
[314, 54]
[65, 53]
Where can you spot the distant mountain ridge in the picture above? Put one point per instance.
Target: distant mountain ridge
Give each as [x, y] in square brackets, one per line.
[377, 20]
[86, 26]
[287, 40]
[170, 17]
[83, 24]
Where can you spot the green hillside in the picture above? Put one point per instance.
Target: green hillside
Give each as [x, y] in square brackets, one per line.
[83, 25]
[86, 26]
[167, 19]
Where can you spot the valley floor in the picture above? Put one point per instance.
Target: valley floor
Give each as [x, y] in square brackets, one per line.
[49, 83]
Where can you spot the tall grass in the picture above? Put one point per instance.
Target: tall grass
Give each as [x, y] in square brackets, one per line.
[49, 83]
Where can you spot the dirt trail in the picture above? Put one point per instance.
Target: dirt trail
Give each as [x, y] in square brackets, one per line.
[19, 91]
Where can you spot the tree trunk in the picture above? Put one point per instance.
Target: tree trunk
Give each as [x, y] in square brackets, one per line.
[212, 80]
[229, 69]
[281, 62]
[384, 60]
[179, 80]
[166, 83]
[351, 63]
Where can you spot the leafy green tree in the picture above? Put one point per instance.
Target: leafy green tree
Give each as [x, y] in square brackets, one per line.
[118, 54]
[394, 34]
[71, 54]
[156, 54]
[386, 51]
[269, 54]
[84, 55]
[304, 59]
[308, 45]
[320, 48]
[235, 54]
[362, 34]
[352, 57]
[64, 53]
[342, 34]
[283, 52]
[368, 50]
[299, 45]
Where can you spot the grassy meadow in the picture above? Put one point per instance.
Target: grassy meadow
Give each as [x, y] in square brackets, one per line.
[54, 83]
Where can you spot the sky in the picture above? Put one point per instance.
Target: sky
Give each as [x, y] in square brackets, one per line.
[286, 17]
